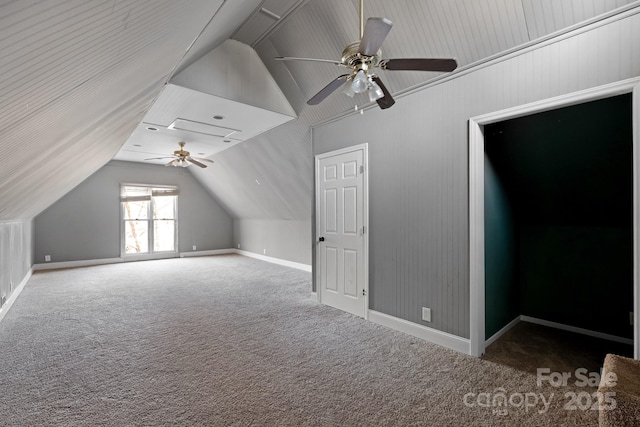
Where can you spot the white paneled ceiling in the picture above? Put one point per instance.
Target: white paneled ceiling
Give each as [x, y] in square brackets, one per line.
[548, 16]
[77, 77]
[468, 30]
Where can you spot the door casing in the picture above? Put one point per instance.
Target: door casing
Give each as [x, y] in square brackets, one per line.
[476, 197]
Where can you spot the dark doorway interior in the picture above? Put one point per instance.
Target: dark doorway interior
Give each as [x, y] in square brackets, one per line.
[558, 217]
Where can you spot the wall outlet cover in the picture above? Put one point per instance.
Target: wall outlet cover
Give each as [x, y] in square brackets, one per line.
[47, 258]
[194, 247]
[426, 314]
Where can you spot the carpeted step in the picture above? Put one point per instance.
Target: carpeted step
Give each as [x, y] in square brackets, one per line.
[620, 393]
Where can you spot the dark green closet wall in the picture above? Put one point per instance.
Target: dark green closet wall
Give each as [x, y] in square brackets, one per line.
[566, 180]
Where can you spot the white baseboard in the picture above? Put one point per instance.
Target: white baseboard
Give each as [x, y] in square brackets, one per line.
[14, 295]
[102, 261]
[577, 330]
[502, 331]
[207, 253]
[435, 336]
[297, 265]
[73, 264]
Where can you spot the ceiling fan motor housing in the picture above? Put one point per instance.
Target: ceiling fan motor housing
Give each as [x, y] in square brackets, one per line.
[351, 57]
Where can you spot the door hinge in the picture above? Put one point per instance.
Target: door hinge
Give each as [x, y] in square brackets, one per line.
[361, 168]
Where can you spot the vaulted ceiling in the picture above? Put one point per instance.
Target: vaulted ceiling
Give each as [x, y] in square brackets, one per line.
[78, 77]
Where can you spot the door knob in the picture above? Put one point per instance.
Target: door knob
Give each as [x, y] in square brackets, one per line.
[321, 239]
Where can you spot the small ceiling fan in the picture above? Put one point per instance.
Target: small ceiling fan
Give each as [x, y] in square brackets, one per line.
[183, 158]
[363, 56]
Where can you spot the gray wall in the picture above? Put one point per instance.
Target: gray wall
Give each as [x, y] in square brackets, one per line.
[266, 184]
[418, 163]
[501, 291]
[85, 223]
[288, 240]
[577, 275]
[16, 254]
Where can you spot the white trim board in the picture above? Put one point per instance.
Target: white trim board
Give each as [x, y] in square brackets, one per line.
[103, 261]
[14, 295]
[297, 265]
[435, 336]
[576, 330]
[206, 253]
[74, 264]
[476, 196]
[556, 325]
[502, 331]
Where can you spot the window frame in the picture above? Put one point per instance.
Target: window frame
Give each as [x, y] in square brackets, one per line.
[151, 253]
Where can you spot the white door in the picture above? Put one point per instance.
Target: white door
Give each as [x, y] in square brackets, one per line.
[341, 229]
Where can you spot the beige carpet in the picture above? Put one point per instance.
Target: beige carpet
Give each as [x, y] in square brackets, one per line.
[527, 347]
[230, 340]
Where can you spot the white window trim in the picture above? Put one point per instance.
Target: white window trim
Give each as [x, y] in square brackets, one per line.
[151, 254]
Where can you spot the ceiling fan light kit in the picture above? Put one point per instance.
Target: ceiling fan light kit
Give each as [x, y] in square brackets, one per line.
[364, 55]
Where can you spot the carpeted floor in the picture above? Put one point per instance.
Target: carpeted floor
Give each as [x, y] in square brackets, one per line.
[527, 347]
[233, 341]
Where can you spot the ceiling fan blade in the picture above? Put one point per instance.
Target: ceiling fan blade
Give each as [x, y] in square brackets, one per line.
[292, 58]
[195, 162]
[201, 159]
[375, 31]
[160, 158]
[419, 64]
[327, 90]
[387, 100]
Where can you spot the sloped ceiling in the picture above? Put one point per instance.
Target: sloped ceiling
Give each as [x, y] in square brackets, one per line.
[468, 30]
[77, 77]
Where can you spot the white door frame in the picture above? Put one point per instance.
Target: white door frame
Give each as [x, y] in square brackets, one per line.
[365, 218]
[476, 197]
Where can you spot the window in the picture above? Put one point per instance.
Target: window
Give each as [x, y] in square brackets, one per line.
[148, 219]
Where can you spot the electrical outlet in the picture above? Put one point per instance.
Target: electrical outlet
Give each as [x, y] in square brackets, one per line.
[238, 245]
[426, 314]
[264, 251]
[194, 247]
[47, 258]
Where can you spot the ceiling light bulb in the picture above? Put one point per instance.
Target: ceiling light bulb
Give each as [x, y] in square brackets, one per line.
[375, 92]
[360, 82]
[347, 89]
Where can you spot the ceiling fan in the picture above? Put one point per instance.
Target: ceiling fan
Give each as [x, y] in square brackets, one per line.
[363, 56]
[183, 158]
